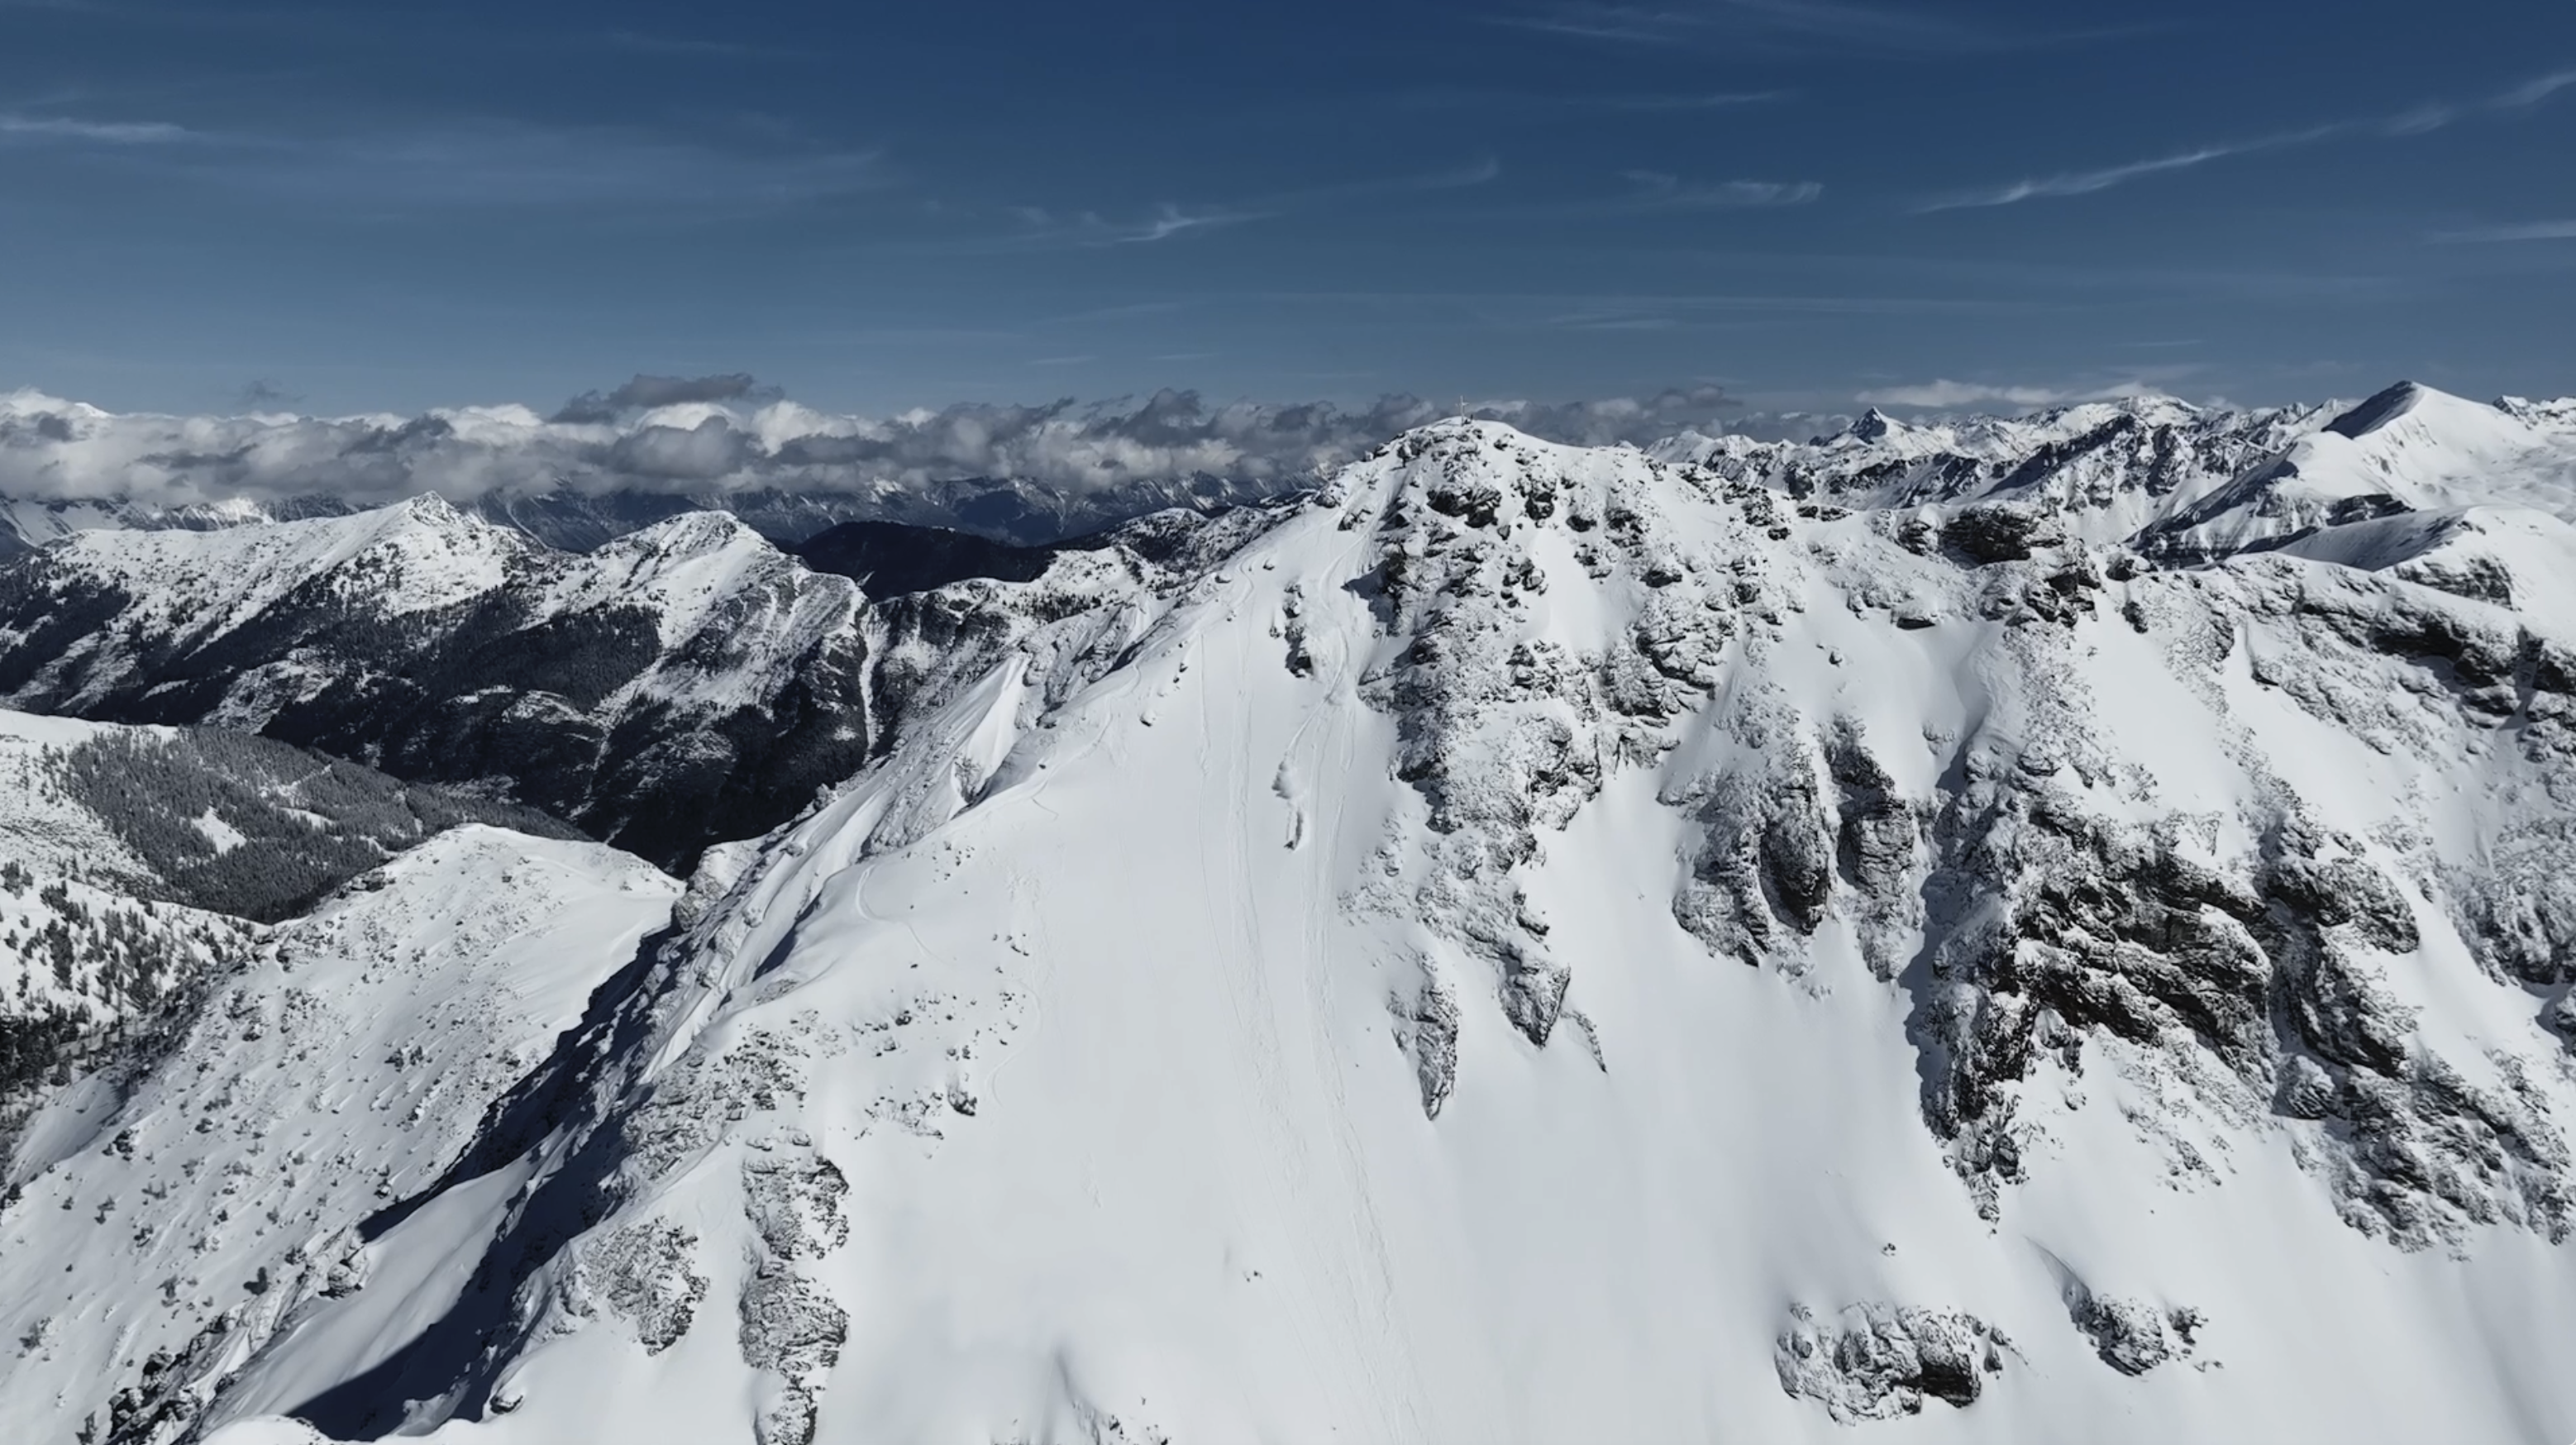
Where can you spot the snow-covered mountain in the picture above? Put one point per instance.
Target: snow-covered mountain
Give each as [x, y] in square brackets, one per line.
[135, 860]
[682, 682]
[1011, 511]
[2007, 931]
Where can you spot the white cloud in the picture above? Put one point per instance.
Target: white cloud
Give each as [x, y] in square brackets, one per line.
[1945, 394]
[729, 433]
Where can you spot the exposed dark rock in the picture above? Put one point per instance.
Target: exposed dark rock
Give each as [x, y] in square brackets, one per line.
[1877, 1361]
[1999, 532]
[2132, 1336]
[646, 1274]
[1426, 1030]
[2114, 930]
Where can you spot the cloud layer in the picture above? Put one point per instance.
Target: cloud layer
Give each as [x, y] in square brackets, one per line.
[1945, 394]
[730, 433]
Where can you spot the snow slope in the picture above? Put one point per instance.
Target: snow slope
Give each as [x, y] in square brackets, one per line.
[1551, 945]
[134, 860]
[211, 1202]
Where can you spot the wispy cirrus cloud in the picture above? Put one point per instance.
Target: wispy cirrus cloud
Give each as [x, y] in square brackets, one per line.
[92, 132]
[1786, 25]
[520, 165]
[1644, 102]
[1713, 100]
[1550, 310]
[2086, 182]
[704, 48]
[1658, 191]
[1040, 227]
[2519, 231]
[2414, 121]
[1480, 171]
[505, 164]
[2534, 91]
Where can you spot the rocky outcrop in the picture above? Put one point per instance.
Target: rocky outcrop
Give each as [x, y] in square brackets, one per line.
[1877, 1361]
[1505, 732]
[2133, 1336]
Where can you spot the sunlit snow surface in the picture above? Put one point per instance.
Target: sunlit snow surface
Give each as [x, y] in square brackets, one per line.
[1147, 1047]
[342, 1068]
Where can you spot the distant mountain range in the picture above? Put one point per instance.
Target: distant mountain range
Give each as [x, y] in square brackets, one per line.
[1011, 512]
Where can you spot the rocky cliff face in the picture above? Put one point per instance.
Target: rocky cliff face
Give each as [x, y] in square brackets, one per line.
[1531, 942]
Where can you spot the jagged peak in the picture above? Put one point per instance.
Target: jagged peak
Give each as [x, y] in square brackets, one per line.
[1470, 467]
[1873, 425]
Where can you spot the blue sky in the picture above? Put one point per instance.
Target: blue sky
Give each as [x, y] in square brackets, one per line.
[875, 207]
